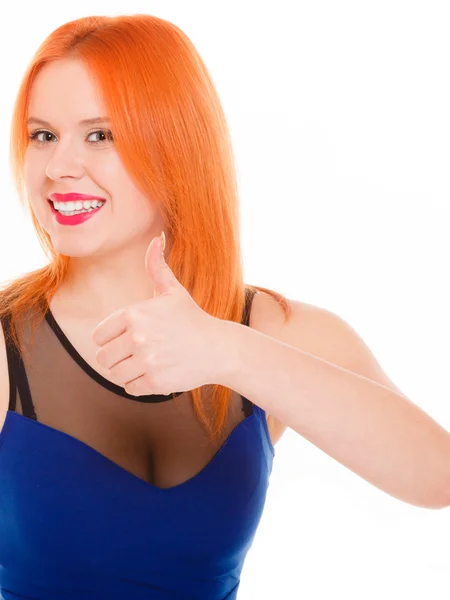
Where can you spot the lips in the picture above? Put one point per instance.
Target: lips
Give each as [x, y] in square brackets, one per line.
[75, 219]
[73, 197]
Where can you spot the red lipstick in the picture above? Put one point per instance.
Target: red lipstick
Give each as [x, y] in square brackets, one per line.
[78, 218]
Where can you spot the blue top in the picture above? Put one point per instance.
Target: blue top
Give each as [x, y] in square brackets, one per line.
[76, 524]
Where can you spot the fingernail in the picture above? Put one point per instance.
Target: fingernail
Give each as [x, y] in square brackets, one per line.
[163, 242]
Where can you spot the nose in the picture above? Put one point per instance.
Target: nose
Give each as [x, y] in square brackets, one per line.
[66, 160]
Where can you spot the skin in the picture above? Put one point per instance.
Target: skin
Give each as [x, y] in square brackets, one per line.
[107, 269]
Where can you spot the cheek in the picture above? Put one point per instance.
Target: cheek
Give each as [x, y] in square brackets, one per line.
[133, 208]
[107, 174]
[106, 168]
[128, 200]
[34, 180]
[33, 170]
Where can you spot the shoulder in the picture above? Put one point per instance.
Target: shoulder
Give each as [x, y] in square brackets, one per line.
[310, 328]
[320, 332]
[305, 322]
[328, 336]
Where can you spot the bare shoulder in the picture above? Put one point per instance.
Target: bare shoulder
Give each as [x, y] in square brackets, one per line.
[4, 379]
[328, 336]
[320, 332]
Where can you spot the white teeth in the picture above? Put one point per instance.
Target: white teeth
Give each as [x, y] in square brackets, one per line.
[70, 208]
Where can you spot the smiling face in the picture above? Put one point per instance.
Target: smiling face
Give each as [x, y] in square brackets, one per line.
[65, 155]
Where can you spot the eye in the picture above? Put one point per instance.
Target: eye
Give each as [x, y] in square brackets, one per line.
[34, 136]
[104, 133]
[105, 136]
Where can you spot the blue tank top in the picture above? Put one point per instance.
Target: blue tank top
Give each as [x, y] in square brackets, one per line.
[81, 514]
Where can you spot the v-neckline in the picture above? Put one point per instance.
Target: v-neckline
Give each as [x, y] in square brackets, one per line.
[11, 414]
[84, 365]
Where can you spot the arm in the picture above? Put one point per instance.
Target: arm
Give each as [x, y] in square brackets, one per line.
[373, 430]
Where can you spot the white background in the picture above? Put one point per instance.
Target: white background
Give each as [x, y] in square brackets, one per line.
[339, 115]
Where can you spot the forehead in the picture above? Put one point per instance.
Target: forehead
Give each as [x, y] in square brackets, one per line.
[64, 88]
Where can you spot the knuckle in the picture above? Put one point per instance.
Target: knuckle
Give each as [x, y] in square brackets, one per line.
[149, 362]
[100, 356]
[136, 339]
[116, 375]
[148, 380]
[129, 316]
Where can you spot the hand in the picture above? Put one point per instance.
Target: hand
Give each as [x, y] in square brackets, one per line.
[162, 345]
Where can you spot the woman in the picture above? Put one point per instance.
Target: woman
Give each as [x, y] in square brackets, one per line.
[140, 396]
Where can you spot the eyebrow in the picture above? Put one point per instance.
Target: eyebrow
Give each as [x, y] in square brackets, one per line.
[94, 121]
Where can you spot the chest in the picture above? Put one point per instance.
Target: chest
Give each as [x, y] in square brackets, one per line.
[162, 443]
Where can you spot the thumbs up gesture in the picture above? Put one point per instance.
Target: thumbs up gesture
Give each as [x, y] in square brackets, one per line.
[164, 344]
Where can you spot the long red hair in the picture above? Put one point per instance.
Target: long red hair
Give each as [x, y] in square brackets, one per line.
[171, 134]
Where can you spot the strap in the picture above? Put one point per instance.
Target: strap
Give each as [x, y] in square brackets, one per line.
[24, 391]
[18, 380]
[12, 361]
[247, 406]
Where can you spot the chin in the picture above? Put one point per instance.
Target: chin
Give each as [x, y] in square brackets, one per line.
[74, 250]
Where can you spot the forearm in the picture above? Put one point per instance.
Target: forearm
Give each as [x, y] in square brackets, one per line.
[374, 431]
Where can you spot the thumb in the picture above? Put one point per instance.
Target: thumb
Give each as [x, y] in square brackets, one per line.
[156, 266]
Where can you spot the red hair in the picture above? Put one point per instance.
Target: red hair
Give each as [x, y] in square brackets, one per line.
[171, 134]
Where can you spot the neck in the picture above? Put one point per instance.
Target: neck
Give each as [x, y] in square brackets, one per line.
[96, 287]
